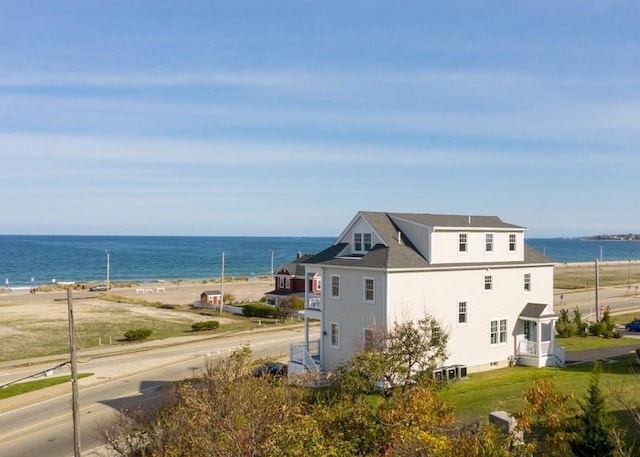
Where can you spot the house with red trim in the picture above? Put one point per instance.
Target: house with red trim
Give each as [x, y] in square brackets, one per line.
[289, 281]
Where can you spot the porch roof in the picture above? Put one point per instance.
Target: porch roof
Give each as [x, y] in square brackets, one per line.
[537, 312]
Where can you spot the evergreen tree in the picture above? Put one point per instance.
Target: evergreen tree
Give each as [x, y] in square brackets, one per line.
[593, 428]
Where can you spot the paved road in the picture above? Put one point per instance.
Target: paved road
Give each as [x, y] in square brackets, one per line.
[44, 428]
[618, 299]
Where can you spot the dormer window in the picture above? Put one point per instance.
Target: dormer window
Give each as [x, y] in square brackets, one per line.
[361, 242]
[367, 241]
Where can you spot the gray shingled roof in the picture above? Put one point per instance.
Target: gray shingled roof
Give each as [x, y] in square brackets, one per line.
[404, 255]
[535, 310]
[455, 221]
[296, 268]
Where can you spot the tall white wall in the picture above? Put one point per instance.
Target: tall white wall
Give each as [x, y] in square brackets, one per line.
[437, 293]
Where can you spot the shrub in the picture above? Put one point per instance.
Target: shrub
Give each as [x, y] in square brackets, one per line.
[205, 325]
[138, 334]
[259, 310]
[597, 328]
[579, 324]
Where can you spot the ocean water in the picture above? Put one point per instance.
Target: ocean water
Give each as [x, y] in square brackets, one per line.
[583, 250]
[27, 260]
[31, 259]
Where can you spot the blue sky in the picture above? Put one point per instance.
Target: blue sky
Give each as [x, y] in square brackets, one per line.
[287, 117]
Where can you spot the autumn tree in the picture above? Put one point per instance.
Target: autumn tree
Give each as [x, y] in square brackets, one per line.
[228, 412]
[543, 419]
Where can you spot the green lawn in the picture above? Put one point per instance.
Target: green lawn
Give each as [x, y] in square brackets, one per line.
[29, 386]
[578, 343]
[503, 389]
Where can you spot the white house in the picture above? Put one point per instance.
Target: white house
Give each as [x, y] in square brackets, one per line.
[474, 274]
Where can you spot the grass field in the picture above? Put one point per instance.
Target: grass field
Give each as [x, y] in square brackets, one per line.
[503, 389]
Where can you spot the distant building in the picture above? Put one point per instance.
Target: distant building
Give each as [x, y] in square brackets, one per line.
[211, 298]
[474, 274]
[289, 281]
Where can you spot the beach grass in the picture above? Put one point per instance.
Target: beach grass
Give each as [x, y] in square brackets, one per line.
[106, 328]
[609, 275]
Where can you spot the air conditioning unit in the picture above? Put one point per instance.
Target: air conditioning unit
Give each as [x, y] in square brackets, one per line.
[438, 374]
[462, 371]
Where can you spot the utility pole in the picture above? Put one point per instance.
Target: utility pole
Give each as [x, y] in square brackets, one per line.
[222, 285]
[74, 379]
[107, 271]
[597, 291]
[271, 264]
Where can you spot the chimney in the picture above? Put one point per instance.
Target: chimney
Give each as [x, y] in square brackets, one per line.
[399, 237]
[299, 255]
[469, 220]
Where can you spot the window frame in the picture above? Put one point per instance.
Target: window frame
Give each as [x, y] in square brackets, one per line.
[513, 242]
[367, 241]
[368, 338]
[357, 242]
[488, 281]
[463, 312]
[463, 243]
[334, 335]
[366, 290]
[527, 285]
[488, 243]
[498, 332]
[502, 331]
[334, 285]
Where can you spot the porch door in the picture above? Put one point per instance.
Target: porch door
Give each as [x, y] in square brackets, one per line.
[527, 330]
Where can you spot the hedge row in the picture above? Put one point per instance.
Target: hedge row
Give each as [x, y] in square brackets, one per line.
[205, 325]
[259, 310]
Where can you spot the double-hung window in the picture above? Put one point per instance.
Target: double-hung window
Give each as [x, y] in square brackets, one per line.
[462, 242]
[357, 242]
[367, 241]
[462, 312]
[527, 282]
[498, 332]
[369, 288]
[362, 242]
[488, 283]
[368, 339]
[512, 242]
[488, 242]
[335, 335]
[335, 286]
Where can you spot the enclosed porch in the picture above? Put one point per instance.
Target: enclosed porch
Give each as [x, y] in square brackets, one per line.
[535, 337]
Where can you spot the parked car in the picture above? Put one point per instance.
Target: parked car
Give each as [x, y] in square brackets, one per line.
[275, 369]
[633, 326]
[98, 288]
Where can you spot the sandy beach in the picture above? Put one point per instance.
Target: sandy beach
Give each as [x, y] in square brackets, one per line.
[26, 318]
